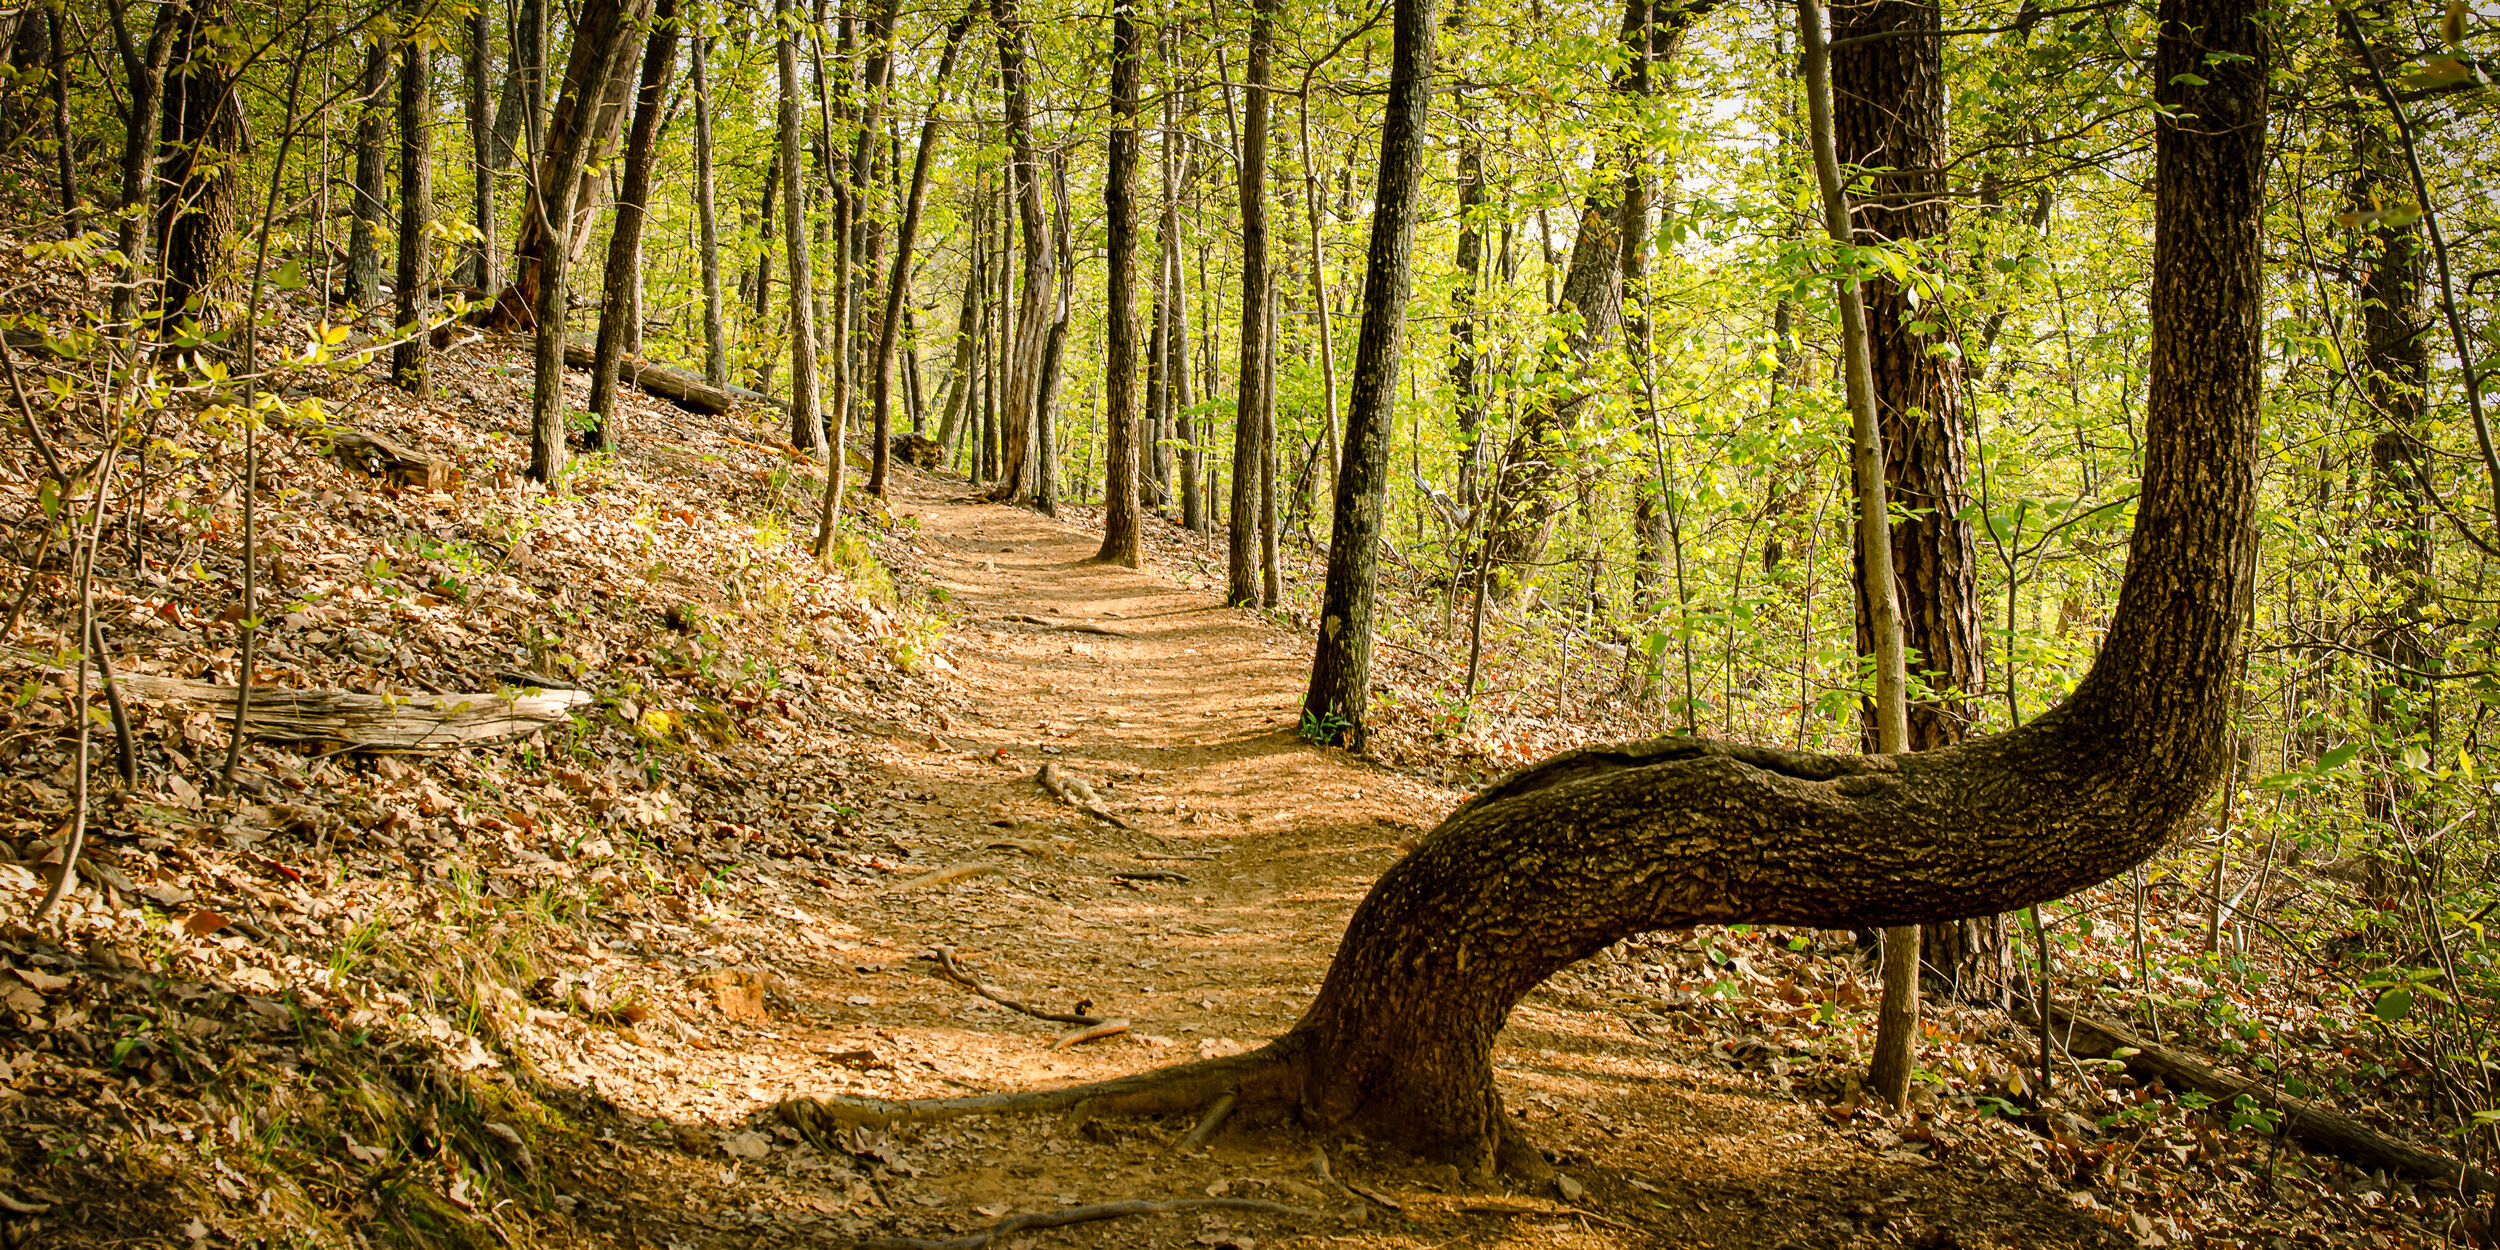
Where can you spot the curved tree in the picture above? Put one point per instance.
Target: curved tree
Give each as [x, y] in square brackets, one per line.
[1557, 862]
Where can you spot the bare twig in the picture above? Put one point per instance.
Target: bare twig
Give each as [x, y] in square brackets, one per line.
[952, 971]
[127, 746]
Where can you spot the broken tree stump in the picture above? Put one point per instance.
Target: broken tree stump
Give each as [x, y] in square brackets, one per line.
[393, 463]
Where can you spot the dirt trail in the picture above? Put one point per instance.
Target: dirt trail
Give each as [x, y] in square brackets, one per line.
[1179, 711]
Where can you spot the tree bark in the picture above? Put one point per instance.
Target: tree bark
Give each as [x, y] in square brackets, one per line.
[1241, 587]
[364, 237]
[588, 116]
[890, 324]
[203, 135]
[1119, 389]
[1561, 860]
[715, 325]
[1019, 408]
[479, 271]
[1339, 698]
[411, 368]
[617, 308]
[600, 42]
[804, 414]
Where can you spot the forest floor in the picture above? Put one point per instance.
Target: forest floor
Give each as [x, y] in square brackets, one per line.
[552, 991]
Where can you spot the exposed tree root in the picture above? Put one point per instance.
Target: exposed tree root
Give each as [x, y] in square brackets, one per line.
[1099, 1211]
[1269, 1076]
[1209, 1123]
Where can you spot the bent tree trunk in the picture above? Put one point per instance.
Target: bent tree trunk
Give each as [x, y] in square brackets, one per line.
[1557, 862]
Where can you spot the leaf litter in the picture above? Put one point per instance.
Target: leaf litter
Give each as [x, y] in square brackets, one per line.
[550, 990]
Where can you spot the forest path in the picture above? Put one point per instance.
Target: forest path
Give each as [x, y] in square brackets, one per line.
[1181, 716]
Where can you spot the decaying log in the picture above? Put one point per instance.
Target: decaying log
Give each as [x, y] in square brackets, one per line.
[687, 390]
[371, 722]
[2094, 1038]
[393, 463]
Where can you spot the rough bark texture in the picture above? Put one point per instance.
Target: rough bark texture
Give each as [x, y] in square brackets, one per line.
[1250, 386]
[364, 237]
[411, 366]
[617, 305]
[477, 62]
[1567, 857]
[715, 328]
[600, 51]
[1119, 388]
[145, 72]
[1888, 98]
[1020, 399]
[202, 134]
[1340, 693]
[889, 326]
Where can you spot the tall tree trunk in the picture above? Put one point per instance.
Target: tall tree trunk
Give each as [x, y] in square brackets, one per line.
[804, 415]
[1271, 587]
[1339, 698]
[587, 119]
[1119, 202]
[617, 306]
[602, 39]
[364, 237]
[2390, 268]
[202, 136]
[479, 270]
[898, 287]
[1054, 351]
[145, 73]
[411, 368]
[1888, 108]
[1176, 341]
[64, 151]
[1534, 465]
[963, 369]
[715, 327]
[1021, 401]
[1560, 861]
[1241, 587]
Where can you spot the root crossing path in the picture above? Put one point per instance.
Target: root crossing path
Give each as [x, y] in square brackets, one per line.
[1190, 882]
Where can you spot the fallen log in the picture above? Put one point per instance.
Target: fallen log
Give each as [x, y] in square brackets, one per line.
[2090, 1037]
[371, 722]
[686, 389]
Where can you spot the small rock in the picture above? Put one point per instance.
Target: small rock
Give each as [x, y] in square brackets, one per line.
[1571, 1190]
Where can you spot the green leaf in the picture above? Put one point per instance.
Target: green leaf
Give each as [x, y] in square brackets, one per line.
[2186, 79]
[2338, 757]
[2394, 1005]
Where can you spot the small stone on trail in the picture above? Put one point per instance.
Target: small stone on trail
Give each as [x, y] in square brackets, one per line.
[1571, 1190]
